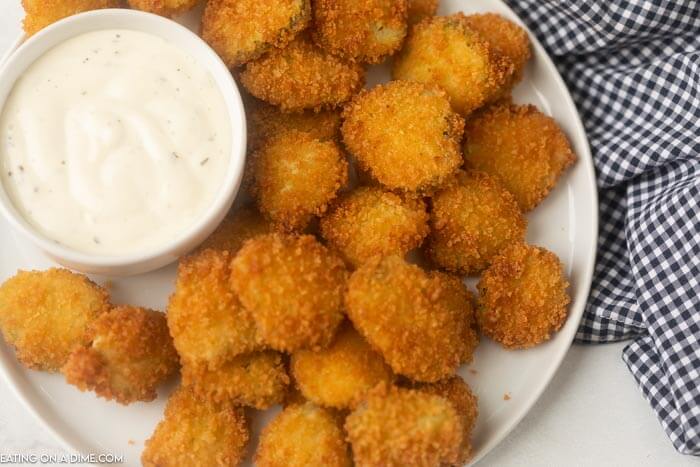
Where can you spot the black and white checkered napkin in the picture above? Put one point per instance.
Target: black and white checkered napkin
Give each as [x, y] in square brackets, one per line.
[633, 68]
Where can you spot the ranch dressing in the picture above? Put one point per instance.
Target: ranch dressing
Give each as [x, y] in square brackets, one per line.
[114, 142]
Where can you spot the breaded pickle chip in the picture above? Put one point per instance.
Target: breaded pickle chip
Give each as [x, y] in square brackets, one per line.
[294, 286]
[505, 37]
[208, 323]
[445, 51]
[405, 134]
[340, 375]
[41, 13]
[44, 315]
[266, 120]
[370, 221]
[163, 7]
[522, 297]
[257, 380]
[237, 227]
[302, 76]
[418, 10]
[242, 30]
[196, 432]
[295, 176]
[362, 30]
[471, 221]
[131, 354]
[422, 323]
[303, 435]
[398, 427]
[458, 393]
[520, 146]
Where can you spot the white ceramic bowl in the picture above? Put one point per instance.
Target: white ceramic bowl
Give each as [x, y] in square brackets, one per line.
[188, 42]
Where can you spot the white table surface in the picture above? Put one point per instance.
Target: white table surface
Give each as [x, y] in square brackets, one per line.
[592, 414]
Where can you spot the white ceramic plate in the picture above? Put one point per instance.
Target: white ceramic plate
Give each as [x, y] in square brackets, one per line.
[566, 223]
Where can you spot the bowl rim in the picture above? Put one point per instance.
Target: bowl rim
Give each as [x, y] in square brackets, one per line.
[81, 23]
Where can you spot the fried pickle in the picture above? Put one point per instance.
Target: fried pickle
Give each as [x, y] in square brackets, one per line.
[405, 134]
[237, 227]
[197, 433]
[41, 13]
[471, 221]
[445, 51]
[422, 323]
[520, 146]
[44, 315]
[522, 297]
[295, 176]
[294, 286]
[418, 10]
[166, 8]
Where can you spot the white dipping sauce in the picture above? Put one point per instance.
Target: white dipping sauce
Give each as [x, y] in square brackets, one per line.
[114, 142]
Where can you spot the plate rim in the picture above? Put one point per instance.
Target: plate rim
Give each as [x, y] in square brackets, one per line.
[575, 312]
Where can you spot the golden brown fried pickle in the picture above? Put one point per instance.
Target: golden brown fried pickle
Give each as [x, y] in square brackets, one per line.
[208, 324]
[303, 435]
[302, 76]
[522, 297]
[295, 176]
[405, 134]
[520, 146]
[294, 286]
[242, 30]
[361, 30]
[422, 323]
[418, 10]
[340, 375]
[370, 221]
[445, 51]
[44, 315]
[41, 13]
[505, 37]
[167, 8]
[266, 120]
[471, 221]
[197, 433]
[257, 380]
[398, 427]
[131, 354]
[235, 229]
[458, 393]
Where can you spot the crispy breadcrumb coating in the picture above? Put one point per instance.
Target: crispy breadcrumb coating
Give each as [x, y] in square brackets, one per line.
[370, 221]
[422, 323]
[237, 227]
[166, 8]
[445, 51]
[397, 427]
[243, 30]
[405, 134]
[458, 393]
[362, 30]
[257, 380]
[302, 76]
[471, 221]
[44, 315]
[198, 433]
[266, 120]
[41, 13]
[294, 287]
[520, 146]
[303, 435]
[340, 375]
[131, 354]
[418, 10]
[523, 297]
[505, 37]
[208, 323]
[295, 176]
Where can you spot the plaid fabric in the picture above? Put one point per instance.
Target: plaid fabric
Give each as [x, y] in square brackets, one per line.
[633, 68]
